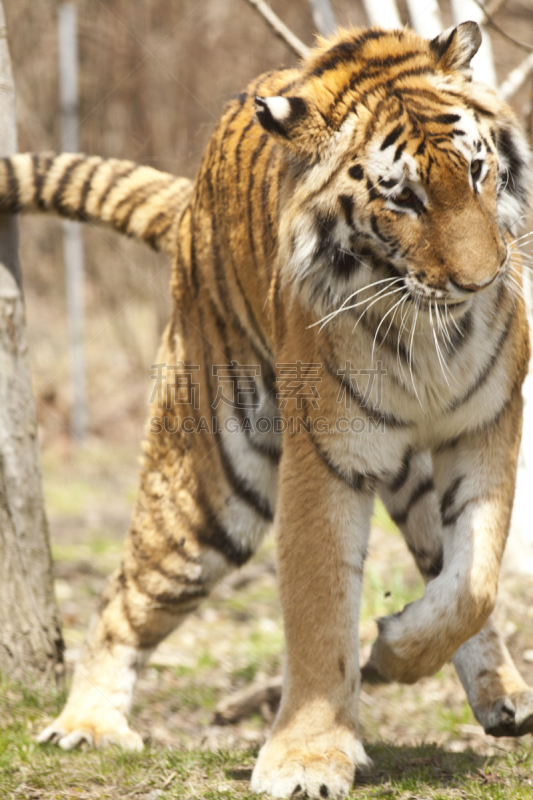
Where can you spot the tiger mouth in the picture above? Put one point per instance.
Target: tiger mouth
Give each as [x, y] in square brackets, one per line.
[427, 301]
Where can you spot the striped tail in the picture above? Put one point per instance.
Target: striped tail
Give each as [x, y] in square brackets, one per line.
[138, 201]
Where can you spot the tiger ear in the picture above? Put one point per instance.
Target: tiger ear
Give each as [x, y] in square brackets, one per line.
[454, 48]
[280, 116]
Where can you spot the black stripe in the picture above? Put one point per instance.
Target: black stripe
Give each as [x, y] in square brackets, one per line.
[430, 564]
[115, 179]
[344, 52]
[375, 414]
[175, 545]
[80, 211]
[57, 197]
[399, 150]
[39, 177]
[392, 137]
[403, 473]
[377, 67]
[212, 534]
[237, 153]
[452, 517]
[448, 498]
[357, 481]
[137, 197]
[238, 484]
[251, 179]
[516, 168]
[400, 517]
[372, 194]
[460, 334]
[356, 172]
[241, 487]
[447, 119]
[267, 232]
[375, 228]
[221, 283]
[376, 86]
[347, 206]
[396, 348]
[268, 451]
[151, 235]
[485, 373]
[193, 264]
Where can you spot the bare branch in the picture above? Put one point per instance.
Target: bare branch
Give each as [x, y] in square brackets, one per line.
[264, 697]
[496, 27]
[280, 29]
[516, 78]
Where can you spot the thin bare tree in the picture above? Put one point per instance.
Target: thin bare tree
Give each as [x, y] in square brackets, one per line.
[30, 635]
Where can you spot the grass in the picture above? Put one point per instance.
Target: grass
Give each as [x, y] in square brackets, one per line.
[32, 771]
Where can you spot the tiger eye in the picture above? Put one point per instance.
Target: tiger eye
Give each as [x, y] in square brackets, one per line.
[475, 168]
[405, 195]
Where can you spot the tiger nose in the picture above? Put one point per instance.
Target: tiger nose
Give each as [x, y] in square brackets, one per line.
[474, 287]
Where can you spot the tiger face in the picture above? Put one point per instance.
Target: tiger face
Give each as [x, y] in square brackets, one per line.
[420, 177]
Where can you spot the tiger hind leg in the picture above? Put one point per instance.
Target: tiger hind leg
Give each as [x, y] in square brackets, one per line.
[175, 553]
[500, 699]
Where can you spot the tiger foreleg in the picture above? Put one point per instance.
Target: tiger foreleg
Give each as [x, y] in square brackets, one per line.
[166, 571]
[323, 524]
[474, 481]
[103, 681]
[501, 700]
[499, 697]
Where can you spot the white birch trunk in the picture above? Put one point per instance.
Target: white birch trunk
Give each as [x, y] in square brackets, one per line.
[323, 16]
[425, 17]
[383, 13]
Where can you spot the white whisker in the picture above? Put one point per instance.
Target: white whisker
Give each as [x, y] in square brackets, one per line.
[519, 239]
[394, 291]
[410, 349]
[344, 307]
[436, 341]
[379, 326]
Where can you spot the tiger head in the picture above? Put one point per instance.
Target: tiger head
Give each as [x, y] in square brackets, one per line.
[396, 159]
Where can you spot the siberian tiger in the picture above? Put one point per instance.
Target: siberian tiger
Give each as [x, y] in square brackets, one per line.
[356, 210]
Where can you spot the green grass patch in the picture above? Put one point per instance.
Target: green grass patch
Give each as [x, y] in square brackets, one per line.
[32, 771]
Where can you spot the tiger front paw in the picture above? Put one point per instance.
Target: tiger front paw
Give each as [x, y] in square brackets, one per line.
[98, 729]
[402, 661]
[316, 767]
[511, 715]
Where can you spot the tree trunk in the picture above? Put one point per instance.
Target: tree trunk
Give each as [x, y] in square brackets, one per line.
[30, 635]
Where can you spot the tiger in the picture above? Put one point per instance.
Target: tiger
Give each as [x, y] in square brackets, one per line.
[353, 216]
